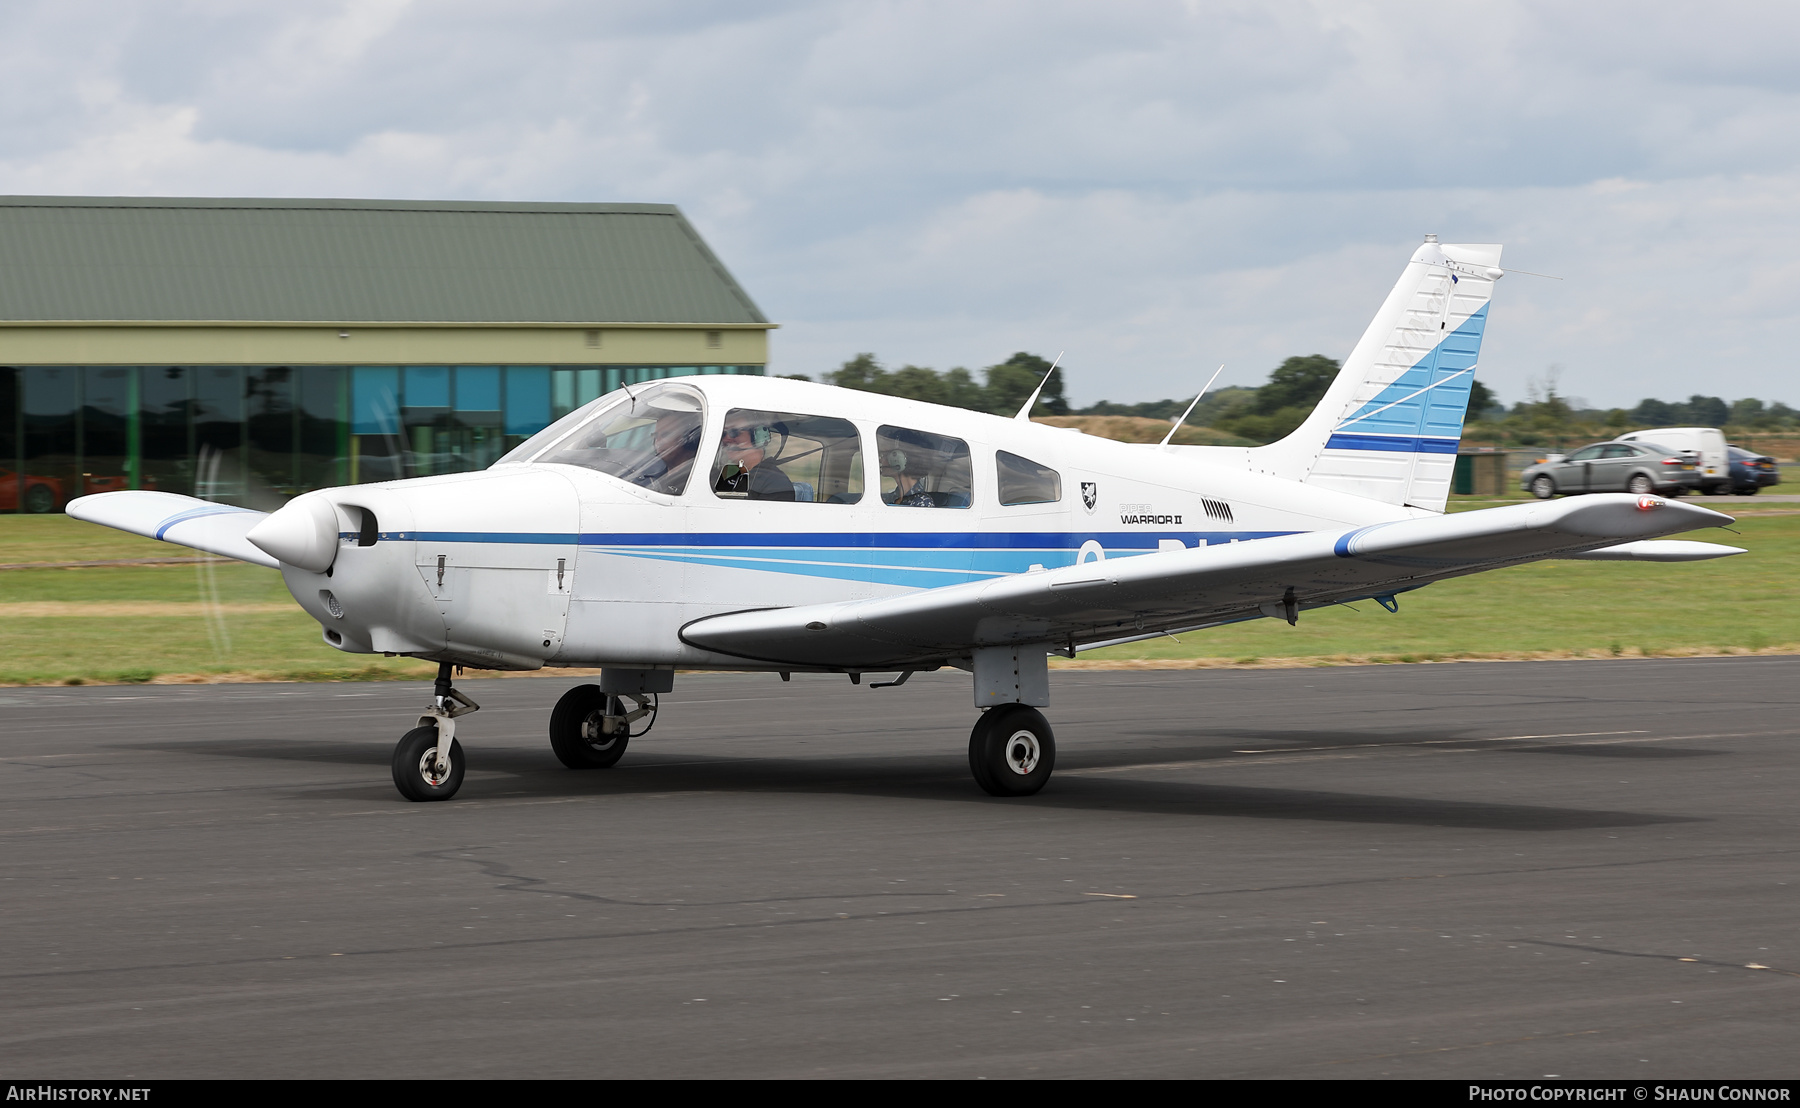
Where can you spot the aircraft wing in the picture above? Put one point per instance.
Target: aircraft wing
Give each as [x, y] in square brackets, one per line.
[1188, 589]
[184, 520]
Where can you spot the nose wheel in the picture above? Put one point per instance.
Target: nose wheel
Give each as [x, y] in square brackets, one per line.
[1012, 750]
[416, 772]
[428, 761]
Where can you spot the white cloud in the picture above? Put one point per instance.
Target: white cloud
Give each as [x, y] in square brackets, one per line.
[1154, 187]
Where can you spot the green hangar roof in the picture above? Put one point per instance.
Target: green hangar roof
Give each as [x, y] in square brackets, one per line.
[109, 260]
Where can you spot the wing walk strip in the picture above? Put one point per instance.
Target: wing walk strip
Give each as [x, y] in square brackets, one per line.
[1350, 749]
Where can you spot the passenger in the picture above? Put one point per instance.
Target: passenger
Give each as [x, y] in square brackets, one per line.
[909, 488]
[676, 440]
[743, 449]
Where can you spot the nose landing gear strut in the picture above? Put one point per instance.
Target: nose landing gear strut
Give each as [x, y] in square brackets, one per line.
[428, 762]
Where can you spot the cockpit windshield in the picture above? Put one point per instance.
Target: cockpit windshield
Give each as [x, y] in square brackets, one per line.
[648, 437]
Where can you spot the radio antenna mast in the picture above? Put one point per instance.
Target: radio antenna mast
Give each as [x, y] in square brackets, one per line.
[1024, 415]
[1191, 407]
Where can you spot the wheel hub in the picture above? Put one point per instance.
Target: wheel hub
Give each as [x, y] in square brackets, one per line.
[593, 729]
[428, 768]
[1022, 752]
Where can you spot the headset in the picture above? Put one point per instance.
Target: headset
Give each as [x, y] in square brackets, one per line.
[760, 436]
[894, 459]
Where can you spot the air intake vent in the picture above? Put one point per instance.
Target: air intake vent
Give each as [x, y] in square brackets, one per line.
[331, 604]
[1217, 509]
[370, 534]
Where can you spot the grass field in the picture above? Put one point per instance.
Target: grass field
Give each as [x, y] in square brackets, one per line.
[131, 623]
[213, 621]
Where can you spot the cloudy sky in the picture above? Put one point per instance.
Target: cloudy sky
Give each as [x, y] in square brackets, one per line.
[1153, 187]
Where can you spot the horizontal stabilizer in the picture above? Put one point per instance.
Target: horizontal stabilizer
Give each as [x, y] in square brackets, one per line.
[183, 520]
[1663, 550]
[1106, 600]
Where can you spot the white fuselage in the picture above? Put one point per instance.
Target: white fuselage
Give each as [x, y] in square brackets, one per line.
[523, 565]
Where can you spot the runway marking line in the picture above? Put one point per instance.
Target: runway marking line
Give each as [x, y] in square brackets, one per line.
[1350, 750]
[1432, 742]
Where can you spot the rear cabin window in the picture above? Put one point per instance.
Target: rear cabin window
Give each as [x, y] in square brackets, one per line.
[805, 459]
[923, 470]
[1023, 481]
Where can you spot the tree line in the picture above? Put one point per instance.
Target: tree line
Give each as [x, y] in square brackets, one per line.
[1267, 412]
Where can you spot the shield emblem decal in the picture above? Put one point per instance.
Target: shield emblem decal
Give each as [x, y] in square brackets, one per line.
[1090, 494]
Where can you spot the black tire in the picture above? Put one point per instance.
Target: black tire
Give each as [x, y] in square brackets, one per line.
[1543, 486]
[567, 721]
[414, 776]
[1752, 490]
[1012, 751]
[39, 499]
[1721, 490]
[1641, 484]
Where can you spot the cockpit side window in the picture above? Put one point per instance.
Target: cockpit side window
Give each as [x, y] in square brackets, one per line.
[1023, 481]
[920, 469]
[650, 439]
[806, 459]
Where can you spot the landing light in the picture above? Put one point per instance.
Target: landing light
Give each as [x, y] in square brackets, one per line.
[1650, 503]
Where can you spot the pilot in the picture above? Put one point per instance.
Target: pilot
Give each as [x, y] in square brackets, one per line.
[909, 488]
[743, 452]
[676, 439]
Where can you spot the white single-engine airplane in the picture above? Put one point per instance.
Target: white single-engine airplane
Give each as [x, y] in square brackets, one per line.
[757, 523]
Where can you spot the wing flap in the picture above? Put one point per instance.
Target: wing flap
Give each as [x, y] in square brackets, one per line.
[183, 520]
[1193, 588]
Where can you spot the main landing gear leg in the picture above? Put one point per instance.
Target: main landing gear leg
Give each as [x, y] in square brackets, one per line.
[1012, 750]
[428, 762]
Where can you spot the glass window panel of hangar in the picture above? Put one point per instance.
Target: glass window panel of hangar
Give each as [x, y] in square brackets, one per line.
[258, 434]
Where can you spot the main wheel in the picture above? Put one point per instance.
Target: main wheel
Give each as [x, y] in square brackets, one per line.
[415, 766]
[1543, 487]
[575, 729]
[1640, 484]
[1012, 750]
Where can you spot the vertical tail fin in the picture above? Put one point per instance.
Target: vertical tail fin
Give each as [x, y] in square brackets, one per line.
[1388, 427]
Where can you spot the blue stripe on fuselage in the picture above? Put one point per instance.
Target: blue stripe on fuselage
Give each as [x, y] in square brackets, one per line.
[909, 559]
[862, 540]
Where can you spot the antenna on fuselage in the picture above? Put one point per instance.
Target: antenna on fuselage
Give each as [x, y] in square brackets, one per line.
[1024, 415]
[1191, 407]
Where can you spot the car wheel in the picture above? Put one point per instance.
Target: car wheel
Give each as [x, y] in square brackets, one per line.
[39, 499]
[1640, 484]
[1543, 487]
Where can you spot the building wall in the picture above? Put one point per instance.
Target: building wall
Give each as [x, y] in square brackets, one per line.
[370, 344]
[258, 433]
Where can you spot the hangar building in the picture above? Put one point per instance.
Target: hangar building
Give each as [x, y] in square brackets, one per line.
[249, 350]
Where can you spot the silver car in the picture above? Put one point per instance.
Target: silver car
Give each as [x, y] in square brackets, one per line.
[1640, 467]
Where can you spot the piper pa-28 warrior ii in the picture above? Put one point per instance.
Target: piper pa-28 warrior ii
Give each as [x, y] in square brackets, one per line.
[750, 523]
